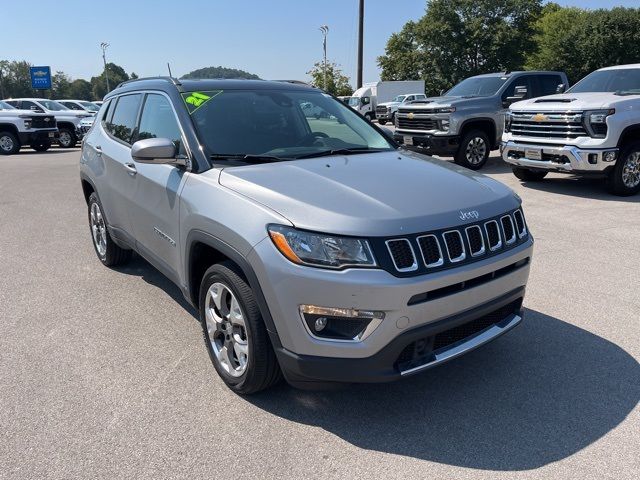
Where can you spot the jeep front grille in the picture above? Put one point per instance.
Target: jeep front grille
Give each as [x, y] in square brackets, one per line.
[424, 252]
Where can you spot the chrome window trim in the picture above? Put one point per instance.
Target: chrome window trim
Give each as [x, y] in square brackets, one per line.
[414, 266]
[440, 262]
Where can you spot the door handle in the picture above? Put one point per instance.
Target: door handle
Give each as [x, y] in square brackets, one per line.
[130, 168]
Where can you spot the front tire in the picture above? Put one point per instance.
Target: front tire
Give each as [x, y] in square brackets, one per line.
[108, 252]
[234, 332]
[67, 138]
[382, 122]
[527, 175]
[624, 180]
[473, 151]
[9, 143]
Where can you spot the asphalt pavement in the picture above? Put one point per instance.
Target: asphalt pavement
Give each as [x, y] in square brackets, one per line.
[103, 373]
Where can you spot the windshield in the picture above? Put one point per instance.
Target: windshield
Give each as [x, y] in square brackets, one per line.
[399, 98]
[6, 106]
[477, 87]
[51, 105]
[354, 101]
[278, 123]
[624, 80]
[91, 107]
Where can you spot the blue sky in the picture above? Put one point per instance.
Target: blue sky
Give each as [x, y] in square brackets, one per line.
[272, 38]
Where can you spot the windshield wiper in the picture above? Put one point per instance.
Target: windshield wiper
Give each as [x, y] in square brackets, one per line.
[341, 151]
[250, 158]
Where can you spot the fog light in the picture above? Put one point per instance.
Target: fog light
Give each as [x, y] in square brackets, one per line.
[320, 324]
[346, 324]
[609, 156]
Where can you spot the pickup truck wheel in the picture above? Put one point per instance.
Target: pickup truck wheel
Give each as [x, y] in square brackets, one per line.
[9, 143]
[527, 175]
[473, 151]
[624, 180]
[67, 138]
[382, 122]
[41, 147]
[234, 332]
[108, 252]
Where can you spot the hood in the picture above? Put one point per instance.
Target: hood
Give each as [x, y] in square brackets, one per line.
[375, 194]
[389, 104]
[16, 112]
[573, 101]
[445, 101]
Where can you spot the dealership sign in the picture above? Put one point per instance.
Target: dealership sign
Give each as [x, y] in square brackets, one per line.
[41, 78]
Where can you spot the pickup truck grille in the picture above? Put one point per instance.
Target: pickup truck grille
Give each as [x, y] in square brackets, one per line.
[416, 123]
[382, 110]
[432, 251]
[43, 122]
[550, 125]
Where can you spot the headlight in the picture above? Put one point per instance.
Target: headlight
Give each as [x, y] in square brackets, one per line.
[445, 110]
[508, 117]
[321, 250]
[27, 124]
[444, 125]
[595, 122]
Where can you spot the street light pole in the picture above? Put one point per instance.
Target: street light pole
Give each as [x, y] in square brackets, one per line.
[324, 29]
[104, 46]
[360, 35]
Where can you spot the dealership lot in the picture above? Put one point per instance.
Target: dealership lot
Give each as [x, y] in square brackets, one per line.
[103, 373]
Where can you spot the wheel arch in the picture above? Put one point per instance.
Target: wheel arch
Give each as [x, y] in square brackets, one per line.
[204, 250]
[628, 135]
[9, 127]
[87, 187]
[487, 125]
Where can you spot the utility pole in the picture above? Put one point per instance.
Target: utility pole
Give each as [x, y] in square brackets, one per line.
[360, 35]
[104, 46]
[324, 29]
[1, 84]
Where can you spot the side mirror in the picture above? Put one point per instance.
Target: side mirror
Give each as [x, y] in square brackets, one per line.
[561, 88]
[519, 93]
[156, 151]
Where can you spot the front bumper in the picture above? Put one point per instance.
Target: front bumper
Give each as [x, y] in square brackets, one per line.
[286, 286]
[445, 145]
[38, 136]
[558, 158]
[389, 364]
[388, 116]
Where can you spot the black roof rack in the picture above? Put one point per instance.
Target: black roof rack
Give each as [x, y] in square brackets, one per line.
[173, 80]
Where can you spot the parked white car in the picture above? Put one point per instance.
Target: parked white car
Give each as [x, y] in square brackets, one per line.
[386, 111]
[80, 105]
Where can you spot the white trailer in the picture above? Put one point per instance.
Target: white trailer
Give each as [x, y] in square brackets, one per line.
[366, 98]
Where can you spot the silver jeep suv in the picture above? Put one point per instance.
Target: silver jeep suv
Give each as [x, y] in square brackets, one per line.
[313, 248]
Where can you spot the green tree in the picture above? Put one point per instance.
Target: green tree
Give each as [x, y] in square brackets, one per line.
[579, 41]
[459, 38]
[60, 85]
[80, 89]
[117, 75]
[220, 72]
[337, 82]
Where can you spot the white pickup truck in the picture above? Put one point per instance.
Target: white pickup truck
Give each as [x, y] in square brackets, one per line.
[593, 128]
[24, 127]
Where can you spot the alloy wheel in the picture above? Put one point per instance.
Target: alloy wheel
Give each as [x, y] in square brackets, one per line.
[6, 143]
[65, 139]
[226, 329]
[631, 170]
[98, 229]
[476, 150]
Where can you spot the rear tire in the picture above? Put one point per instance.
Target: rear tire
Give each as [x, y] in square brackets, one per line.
[108, 252]
[41, 147]
[67, 138]
[234, 332]
[624, 180]
[527, 175]
[473, 151]
[9, 143]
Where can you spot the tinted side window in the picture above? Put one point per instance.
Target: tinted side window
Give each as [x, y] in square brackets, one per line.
[122, 123]
[159, 121]
[27, 105]
[548, 84]
[522, 81]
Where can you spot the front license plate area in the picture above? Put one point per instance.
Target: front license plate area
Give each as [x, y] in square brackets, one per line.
[51, 134]
[533, 154]
[408, 140]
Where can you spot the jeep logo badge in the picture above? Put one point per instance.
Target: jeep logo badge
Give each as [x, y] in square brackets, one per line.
[471, 214]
